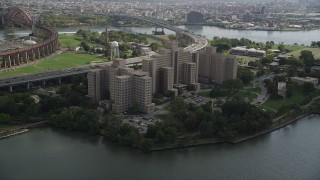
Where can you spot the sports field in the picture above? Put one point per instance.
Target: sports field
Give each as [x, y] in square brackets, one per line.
[62, 61]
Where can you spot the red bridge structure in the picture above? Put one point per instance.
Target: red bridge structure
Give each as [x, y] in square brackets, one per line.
[16, 57]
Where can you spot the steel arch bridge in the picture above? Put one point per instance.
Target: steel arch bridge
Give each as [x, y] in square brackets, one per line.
[18, 15]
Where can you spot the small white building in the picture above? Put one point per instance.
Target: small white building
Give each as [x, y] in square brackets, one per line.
[282, 89]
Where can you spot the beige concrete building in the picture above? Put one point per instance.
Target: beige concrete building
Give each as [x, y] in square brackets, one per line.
[216, 67]
[127, 87]
[168, 69]
[94, 84]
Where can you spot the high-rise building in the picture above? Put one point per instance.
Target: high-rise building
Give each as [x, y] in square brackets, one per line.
[216, 67]
[168, 72]
[168, 68]
[194, 17]
[94, 84]
[247, 17]
[127, 87]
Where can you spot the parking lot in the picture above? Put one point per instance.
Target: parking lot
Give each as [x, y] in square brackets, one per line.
[140, 122]
[197, 100]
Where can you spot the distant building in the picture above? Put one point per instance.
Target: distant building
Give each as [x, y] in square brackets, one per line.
[194, 17]
[300, 80]
[243, 51]
[247, 17]
[217, 67]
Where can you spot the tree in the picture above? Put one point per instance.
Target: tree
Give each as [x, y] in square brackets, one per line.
[245, 75]
[154, 46]
[233, 84]
[147, 144]
[307, 57]
[308, 88]
[290, 87]
[266, 60]
[281, 47]
[222, 46]
[171, 37]
[5, 118]
[85, 46]
[135, 53]
[178, 105]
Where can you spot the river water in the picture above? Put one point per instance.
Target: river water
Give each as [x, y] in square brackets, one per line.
[291, 37]
[46, 153]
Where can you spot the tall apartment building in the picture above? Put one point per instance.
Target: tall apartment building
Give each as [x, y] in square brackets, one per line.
[217, 67]
[194, 17]
[94, 91]
[168, 68]
[126, 86]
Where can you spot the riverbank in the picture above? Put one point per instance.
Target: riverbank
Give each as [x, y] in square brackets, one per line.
[212, 141]
[257, 29]
[21, 129]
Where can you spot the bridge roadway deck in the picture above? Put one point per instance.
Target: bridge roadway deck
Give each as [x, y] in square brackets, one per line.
[198, 44]
[20, 80]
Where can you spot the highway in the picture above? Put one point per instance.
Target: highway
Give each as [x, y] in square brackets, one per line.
[18, 80]
[198, 43]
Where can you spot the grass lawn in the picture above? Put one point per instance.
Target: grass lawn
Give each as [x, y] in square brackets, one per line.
[296, 98]
[315, 51]
[290, 47]
[69, 40]
[62, 61]
[246, 94]
[253, 89]
[205, 94]
[243, 60]
[241, 94]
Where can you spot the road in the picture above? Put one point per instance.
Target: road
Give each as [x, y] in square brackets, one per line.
[198, 43]
[263, 96]
[13, 81]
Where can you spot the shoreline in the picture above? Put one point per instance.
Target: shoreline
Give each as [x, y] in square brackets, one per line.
[243, 29]
[235, 141]
[22, 129]
[197, 143]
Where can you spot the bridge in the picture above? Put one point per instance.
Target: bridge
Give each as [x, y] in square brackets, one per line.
[198, 43]
[18, 15]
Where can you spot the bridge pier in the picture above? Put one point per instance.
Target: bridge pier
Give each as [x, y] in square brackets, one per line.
[10, 88]
[2, 20]
[17, 59]
[156, 32]
[28, 86]
[8, 59]
[4, 63]
[37, 54]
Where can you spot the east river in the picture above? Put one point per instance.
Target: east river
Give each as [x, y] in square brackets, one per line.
[288, 37]
[46, 153]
